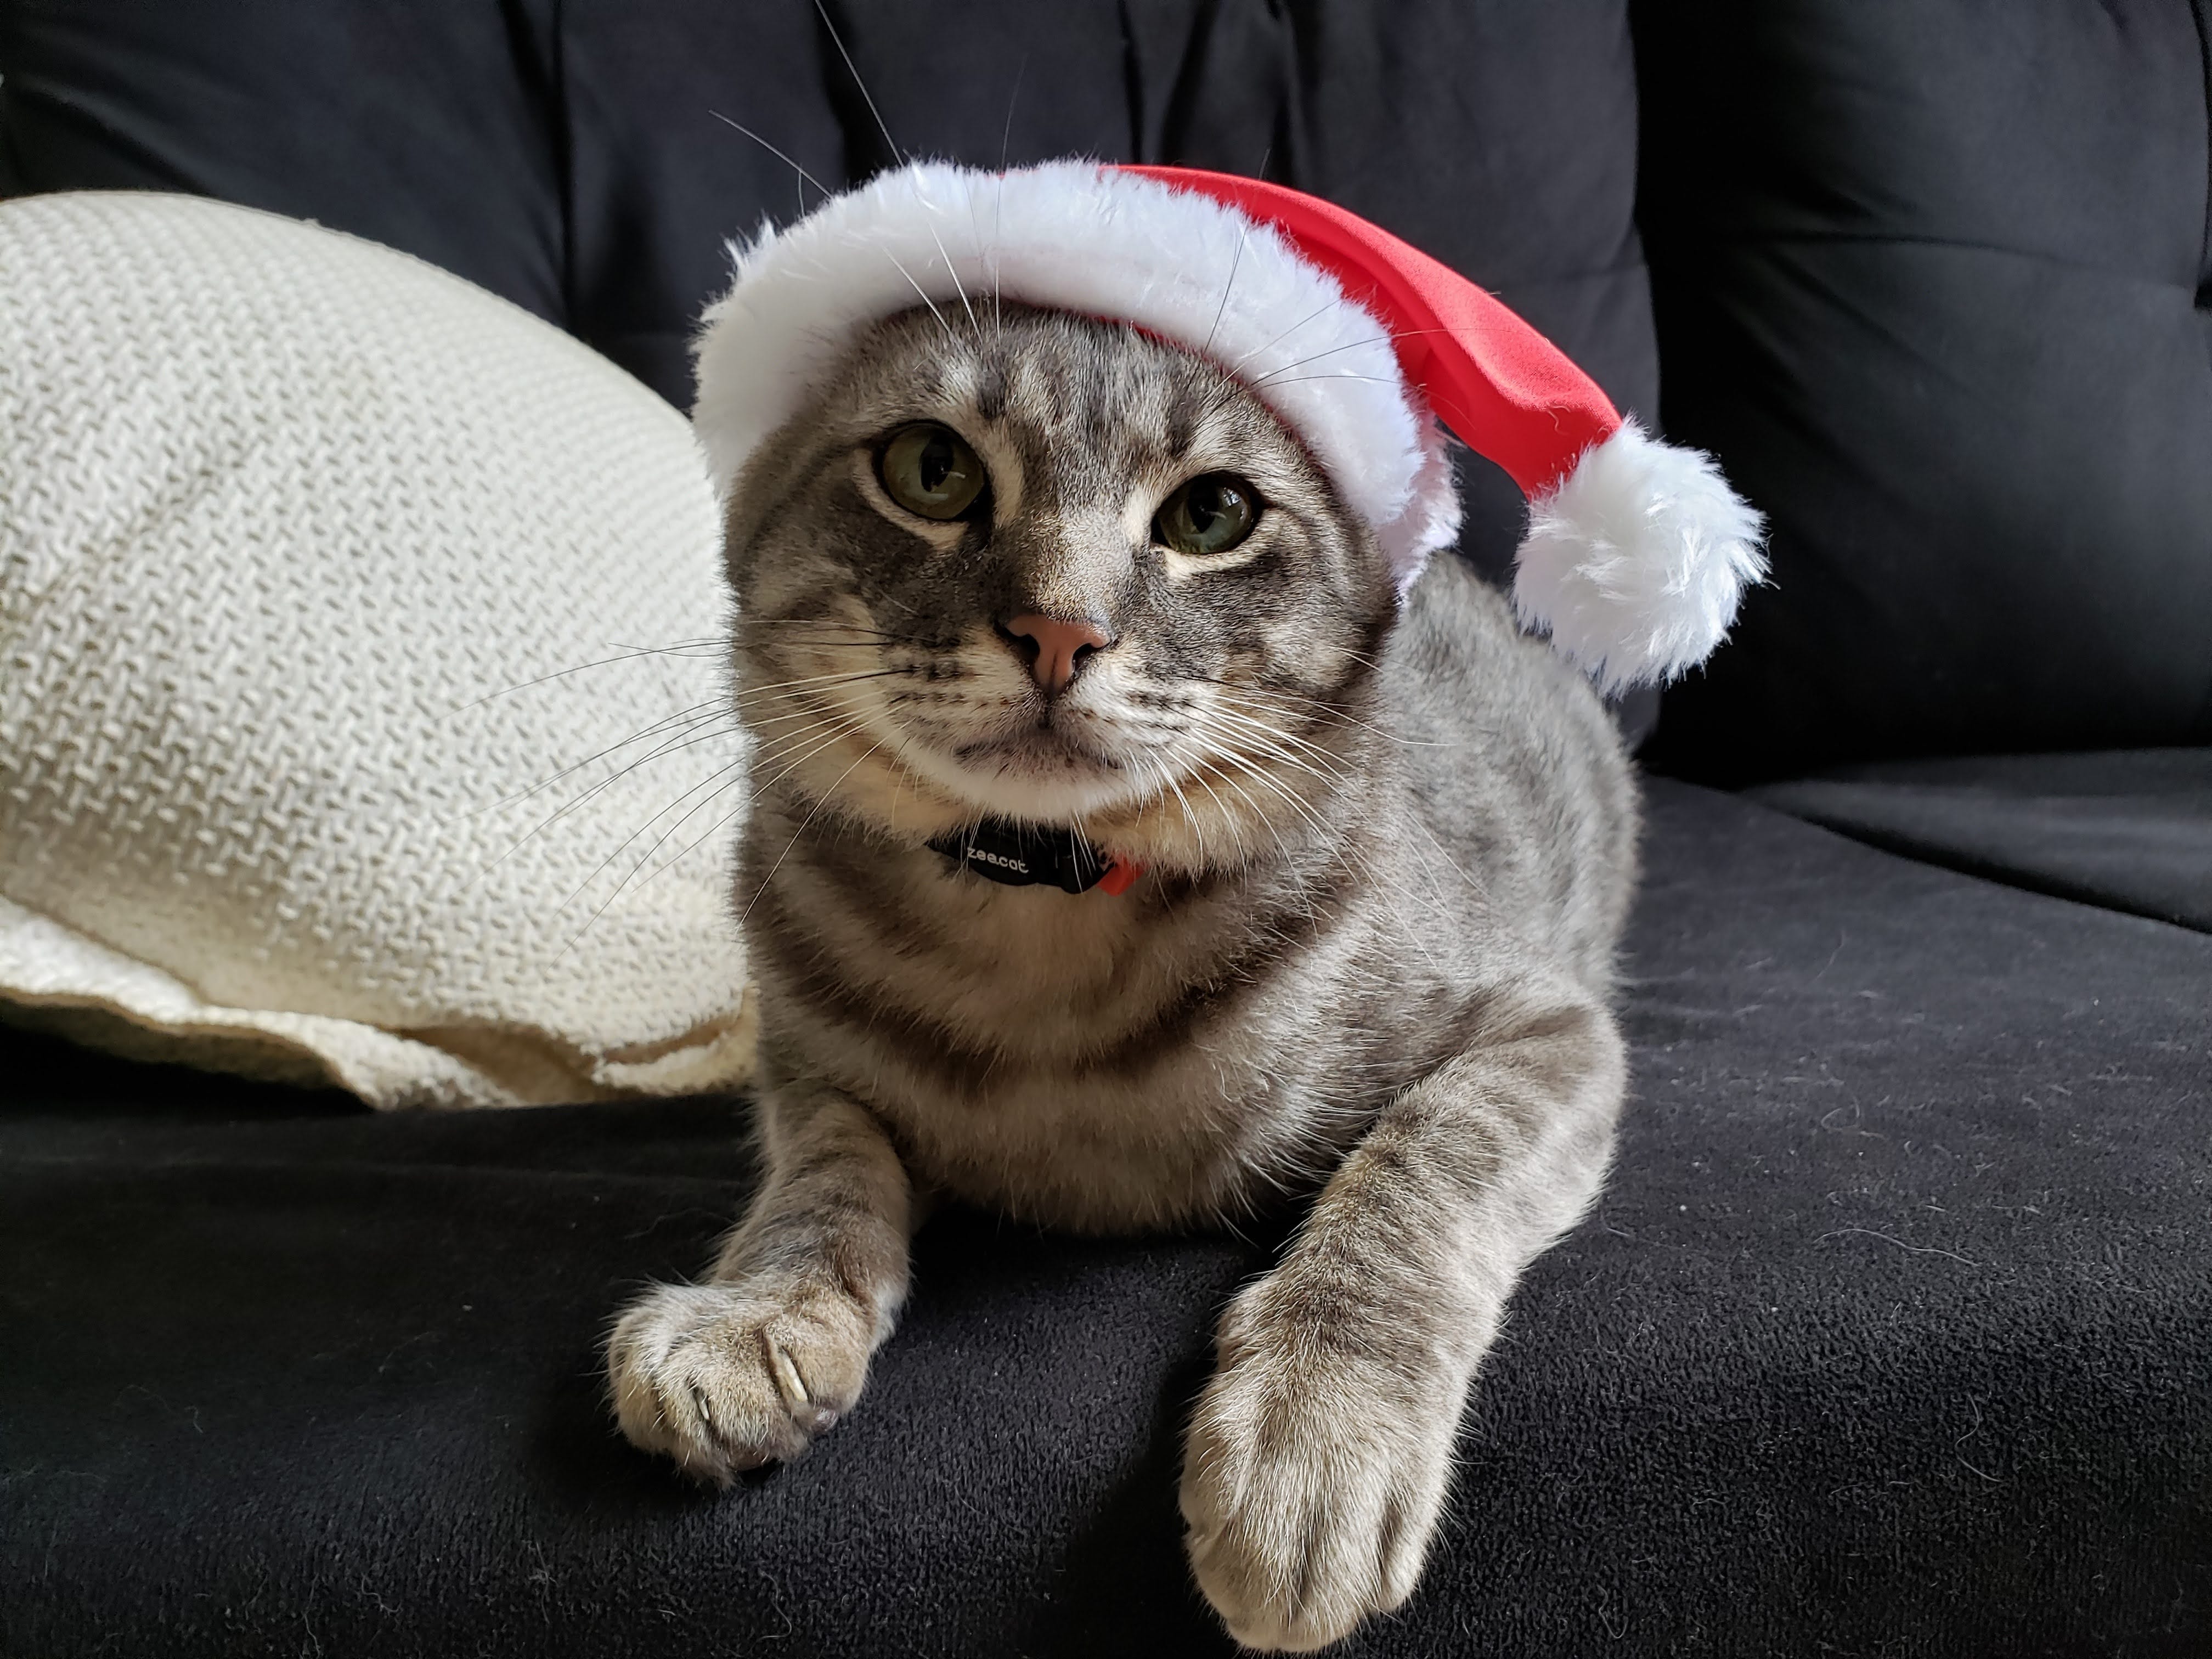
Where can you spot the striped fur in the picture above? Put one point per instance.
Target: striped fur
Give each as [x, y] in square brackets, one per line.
[1388, 858]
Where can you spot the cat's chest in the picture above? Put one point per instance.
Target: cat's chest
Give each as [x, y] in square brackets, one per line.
[1085, 1060]
[1140, 1134]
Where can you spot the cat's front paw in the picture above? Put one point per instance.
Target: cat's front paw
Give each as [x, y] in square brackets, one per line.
[1313, 1473]
[726, 1377]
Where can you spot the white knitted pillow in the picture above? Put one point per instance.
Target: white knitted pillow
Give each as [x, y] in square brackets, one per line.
[304, 548]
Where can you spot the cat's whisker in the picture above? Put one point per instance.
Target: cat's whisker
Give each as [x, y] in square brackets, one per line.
[811, 813]
[819, 704]
[808, 709]
[1242, 739]
[1480, 887]
[1229, 753]
[854, 70]
[898, 781]
[804, 706]
[1275, 786]
[717, 723]
[778, 153]
[837, 624]
[1264, 819]
[627, 841]
[1268, 733]
[1382, 339]
[1226, 819]
[1229, 818]
[1277, 339]
[1332, 375]
[999, 223]
[843, 676]
[630, 654]
[851, 728]
[793, 704]
[997, 276]
[959, 286]
[724, 784]
[599, 788]
[847, 729]
[1189, 817]
[1328, 710]
[715, 828]
[708, 729]
[1290, 798]
[808, 650]
[684, 718]
[926, 299]
[785, 743]
[712, 832]
[1236, 261]
[746, 690]
[985, 257]
[1330, 763]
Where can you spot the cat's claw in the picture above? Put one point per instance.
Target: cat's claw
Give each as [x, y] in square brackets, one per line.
[727, 1377]
[1313, 1477]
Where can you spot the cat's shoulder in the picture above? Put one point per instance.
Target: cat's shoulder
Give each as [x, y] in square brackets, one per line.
[1457, 648]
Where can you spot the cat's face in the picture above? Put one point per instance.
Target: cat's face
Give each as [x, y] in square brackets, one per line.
[1043, 567]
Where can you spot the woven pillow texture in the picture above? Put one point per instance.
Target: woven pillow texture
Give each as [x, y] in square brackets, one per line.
[361, 714]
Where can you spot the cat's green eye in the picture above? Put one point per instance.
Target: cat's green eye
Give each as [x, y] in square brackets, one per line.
[928, 468]
[1209, 514]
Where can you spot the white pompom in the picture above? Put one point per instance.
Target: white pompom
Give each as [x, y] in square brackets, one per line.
[1634, 563]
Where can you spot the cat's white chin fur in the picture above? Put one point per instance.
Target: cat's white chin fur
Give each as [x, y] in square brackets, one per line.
[1634, 565]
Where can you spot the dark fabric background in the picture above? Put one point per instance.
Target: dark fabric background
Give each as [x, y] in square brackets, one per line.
[2131, 829]
[1934, 278]
[416, 125]
[1892, 1335]
[567, 154]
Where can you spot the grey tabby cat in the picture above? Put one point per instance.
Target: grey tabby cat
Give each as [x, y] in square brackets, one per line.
[1039, 568]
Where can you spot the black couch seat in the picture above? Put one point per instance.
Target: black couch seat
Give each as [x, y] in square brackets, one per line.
[1892, 1335]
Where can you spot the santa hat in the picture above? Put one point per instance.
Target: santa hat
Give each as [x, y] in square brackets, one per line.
[1636, 551]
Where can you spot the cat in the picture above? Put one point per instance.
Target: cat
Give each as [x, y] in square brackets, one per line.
[1028, 567]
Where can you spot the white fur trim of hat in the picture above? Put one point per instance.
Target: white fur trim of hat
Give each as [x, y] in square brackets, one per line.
[1364, 347]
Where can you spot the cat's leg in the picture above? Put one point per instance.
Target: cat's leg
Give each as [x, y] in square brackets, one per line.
[1318, 1456]
[747, 1368]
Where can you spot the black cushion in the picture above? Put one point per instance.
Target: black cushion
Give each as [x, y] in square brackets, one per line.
[1892, 1334]
[422, 125]
[1933, 279]
[2131, 829]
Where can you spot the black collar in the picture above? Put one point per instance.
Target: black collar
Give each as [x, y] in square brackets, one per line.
[1027, 854]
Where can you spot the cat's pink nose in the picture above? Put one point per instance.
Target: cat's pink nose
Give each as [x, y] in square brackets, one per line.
[1055, 649]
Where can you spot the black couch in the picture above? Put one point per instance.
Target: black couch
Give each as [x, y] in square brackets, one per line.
[1893, 1334]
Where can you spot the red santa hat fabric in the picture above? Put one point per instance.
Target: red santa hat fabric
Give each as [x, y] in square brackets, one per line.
[1635, 553]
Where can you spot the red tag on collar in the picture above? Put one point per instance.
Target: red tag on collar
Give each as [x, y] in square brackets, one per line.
[1120, 875]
